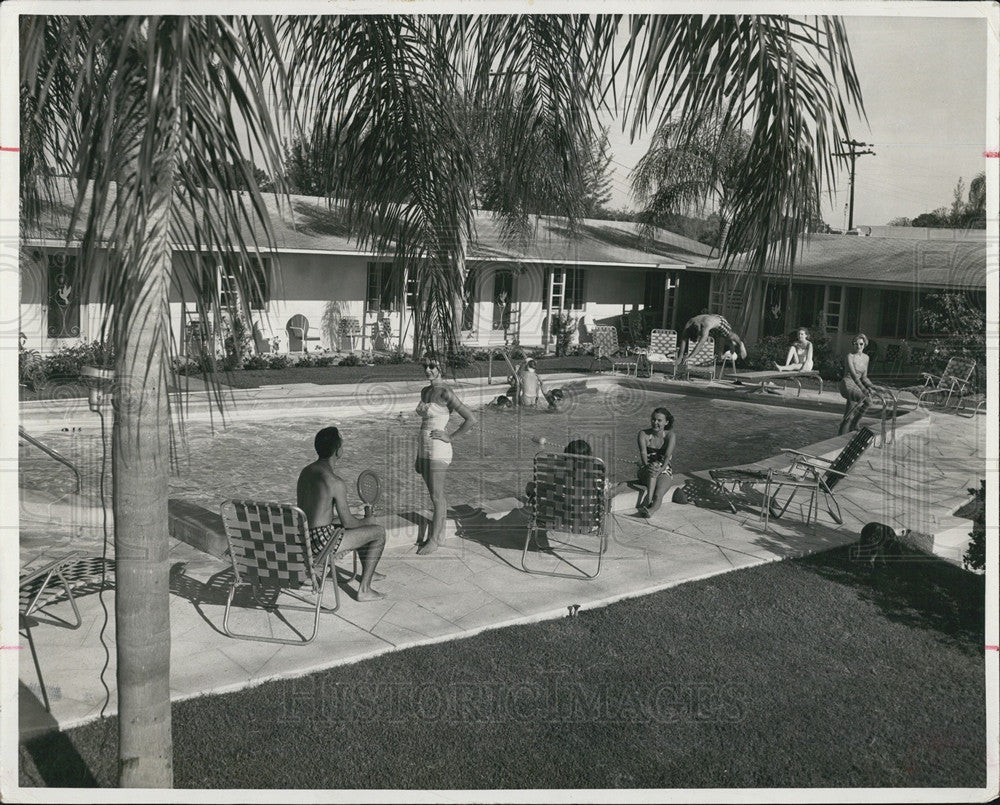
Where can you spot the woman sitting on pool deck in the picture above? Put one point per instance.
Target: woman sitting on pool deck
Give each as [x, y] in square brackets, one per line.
[434, 454]
[656, 449]
[800, 354]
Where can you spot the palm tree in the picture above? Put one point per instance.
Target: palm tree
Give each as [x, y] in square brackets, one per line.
[145, 114]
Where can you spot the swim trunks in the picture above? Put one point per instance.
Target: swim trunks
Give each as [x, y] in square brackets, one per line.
[321, 535]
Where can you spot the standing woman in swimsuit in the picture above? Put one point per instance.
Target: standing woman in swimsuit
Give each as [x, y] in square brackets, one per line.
[856, 387]
[437, 403]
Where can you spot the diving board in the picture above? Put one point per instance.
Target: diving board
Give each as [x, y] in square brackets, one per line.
[757, 381]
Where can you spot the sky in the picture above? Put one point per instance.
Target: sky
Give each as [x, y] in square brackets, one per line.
[923, 80]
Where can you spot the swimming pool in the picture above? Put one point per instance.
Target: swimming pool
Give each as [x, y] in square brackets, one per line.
[262, 459]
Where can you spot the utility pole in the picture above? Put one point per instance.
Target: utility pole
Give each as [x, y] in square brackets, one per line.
[853, 153]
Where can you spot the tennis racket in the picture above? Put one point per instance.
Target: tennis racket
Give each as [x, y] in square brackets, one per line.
[369, 489]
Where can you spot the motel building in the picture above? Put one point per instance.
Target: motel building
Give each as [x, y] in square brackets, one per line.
[318, 290]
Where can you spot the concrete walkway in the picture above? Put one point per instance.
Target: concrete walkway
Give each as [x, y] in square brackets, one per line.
[476, 583]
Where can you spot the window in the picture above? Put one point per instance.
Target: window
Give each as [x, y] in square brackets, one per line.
[808, 305]
[896, 314]
[220, 285]
[852, 310]
[383, 287]
[572, 290]
[469, 301]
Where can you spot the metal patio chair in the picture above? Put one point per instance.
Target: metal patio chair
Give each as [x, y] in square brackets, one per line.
[271, 552]
[606, 347]
[954, 380]
[662, 349]
[818, 475]
[700, 361]
[42, 588]
[569, 500]
[298, 334]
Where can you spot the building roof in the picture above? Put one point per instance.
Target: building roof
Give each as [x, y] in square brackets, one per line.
[946, 259]
[310, 224]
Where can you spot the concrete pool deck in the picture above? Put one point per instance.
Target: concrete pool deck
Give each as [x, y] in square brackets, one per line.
[475, 583]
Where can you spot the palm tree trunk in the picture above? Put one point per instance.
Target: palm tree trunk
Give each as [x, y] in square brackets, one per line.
[140, 456]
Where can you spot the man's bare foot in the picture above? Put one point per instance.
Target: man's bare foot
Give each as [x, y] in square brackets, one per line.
[370, 595]
[429, 546]
[652, 507]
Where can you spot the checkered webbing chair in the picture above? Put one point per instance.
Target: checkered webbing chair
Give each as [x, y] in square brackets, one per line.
[698, 360]
[570, 498]
[606, 347]
[662, 349]
[270, 551]
[953, 381]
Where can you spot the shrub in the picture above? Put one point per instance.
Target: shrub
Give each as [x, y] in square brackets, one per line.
[68, 361]
[197, 365]
[563, 330]
[351, 360]
[30, 368]
[961, 327]
[392, 358]
[236, 342]
[975, 555]
[257, 362]
[461, 357]
[278, 361]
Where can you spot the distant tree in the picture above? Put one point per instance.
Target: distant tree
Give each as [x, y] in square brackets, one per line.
[938, 219]
[962, 214]
[900, 222]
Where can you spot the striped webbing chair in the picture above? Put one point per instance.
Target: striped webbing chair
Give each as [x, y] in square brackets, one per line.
[570, 499]
[700, 360]
[606, 346]
[953, 381]
[662, 349]
[270, 551]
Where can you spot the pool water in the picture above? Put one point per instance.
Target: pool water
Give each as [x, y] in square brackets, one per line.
[492, 461]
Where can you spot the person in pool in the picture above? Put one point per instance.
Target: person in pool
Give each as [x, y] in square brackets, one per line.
[856, 387]
[318, 491]
[532, 388]
[656, 450]
[434, 453]
[800, 354]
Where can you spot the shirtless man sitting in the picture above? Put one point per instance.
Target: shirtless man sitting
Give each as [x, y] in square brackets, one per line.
[319, 490]
[700, 328]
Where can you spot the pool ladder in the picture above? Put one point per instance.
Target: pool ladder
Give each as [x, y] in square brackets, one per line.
[505, 354]
[885, 396]
[50, 452]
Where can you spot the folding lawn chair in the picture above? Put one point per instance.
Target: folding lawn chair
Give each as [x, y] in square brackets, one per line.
[42, 588]
[803, 473]
[954, 380]
[662, 349]
[570, 498]
[698, 360]
[606, 347]
[271, 550]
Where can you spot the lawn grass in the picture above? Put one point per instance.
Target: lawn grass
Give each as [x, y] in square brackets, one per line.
[813, 672]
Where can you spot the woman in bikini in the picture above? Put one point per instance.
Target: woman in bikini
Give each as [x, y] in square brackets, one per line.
[800, 355]
[656, 450]
[434, 454]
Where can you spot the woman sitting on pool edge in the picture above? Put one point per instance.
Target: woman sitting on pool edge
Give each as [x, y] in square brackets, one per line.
[856, 387]
[434, 453]
[800, 354]
[656, 449]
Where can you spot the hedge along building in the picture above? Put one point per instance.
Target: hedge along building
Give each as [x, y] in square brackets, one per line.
[318, 289]
[871, 282]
